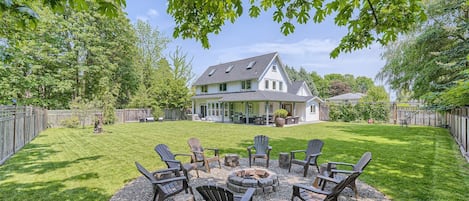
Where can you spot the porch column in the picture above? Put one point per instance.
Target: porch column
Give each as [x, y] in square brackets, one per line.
[294, 109]
[222, 112]
[267, 113]
[246, 112]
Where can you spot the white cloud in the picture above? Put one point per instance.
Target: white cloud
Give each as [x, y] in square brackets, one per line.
[153, 13]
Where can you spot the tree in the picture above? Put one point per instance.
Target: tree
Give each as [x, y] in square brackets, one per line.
[431, 62]
[363, 84]
[376, 94]
[338, 87]
[367, 21]
[321, 84]
[302, 75]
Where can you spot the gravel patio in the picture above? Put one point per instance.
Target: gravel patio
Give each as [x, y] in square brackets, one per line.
[141, 189]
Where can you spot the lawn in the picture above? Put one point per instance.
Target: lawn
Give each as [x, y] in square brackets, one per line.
[415, 163]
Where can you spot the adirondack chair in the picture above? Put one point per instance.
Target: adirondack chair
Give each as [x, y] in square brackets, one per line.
[330, 174]
[311, 193]
[311, 156]
[198, 154]
[165, 188]
[217, 193]
[261, 145]
[170, 159]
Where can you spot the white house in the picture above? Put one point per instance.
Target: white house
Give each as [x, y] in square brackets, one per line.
[250, 90]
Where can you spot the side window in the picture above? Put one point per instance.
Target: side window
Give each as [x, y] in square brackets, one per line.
[267, 84]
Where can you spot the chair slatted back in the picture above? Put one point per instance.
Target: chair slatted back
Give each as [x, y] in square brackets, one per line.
[166, 154]
[145, 172]
[314, 147]
[261, 144]
[215, 193]
[195, 145]
[363, 162]
[341, 186]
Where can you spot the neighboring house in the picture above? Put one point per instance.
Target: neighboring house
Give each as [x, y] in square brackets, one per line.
[351, 98]
[250, 90]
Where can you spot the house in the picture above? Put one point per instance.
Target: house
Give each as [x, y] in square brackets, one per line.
[351, 98]
[250, 90]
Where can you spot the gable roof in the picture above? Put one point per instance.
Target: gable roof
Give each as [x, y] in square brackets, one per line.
[347, 96]
[239, 71]
[295, 86]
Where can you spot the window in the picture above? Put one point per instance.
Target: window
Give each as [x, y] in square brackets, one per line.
[312, 109]
[229, 69]
[280, 86]
[274, 68]
[274, 85]
[204, 89]
[251, 64]
[223, 87]
[246, 84]
[267, 84]
[211, 72]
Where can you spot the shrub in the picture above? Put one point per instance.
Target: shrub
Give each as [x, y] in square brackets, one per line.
[72, 122]
[281, 113]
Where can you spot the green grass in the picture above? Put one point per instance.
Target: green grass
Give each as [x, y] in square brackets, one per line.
[415, 163]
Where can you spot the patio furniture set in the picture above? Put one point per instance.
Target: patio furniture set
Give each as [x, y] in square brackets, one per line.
[245, 183]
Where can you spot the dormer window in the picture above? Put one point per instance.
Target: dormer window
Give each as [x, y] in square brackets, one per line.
[274, 68]
[222, 87]
[246, 84]
[251, 64]
[229, 69]
[204, 89]
[212, 72]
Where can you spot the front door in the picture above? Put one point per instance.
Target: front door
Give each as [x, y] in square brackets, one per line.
[289, 108]
[203, 111]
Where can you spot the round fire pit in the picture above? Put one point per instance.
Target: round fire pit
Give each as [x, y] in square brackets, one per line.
[264, 181]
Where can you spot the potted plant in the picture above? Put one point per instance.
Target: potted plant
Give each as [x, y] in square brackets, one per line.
[279, 116]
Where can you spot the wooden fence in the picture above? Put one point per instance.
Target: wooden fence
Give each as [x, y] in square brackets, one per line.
[458, 122]
[18, 126]
[56, 117]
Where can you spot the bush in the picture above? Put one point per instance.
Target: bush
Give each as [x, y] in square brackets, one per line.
[281, 113]
[72, 122]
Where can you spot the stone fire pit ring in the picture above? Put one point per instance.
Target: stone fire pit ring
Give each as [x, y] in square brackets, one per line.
[263, 180]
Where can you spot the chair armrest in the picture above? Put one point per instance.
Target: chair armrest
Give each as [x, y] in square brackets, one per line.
[250, 147]
[172, 161]
[163, 181]
[269, 148]
[166, 170]
[310, 188]
[198, 152]
[190, 155]
[343, 171]
[341, 163]
[296, 151]
[248, 194]
[313, 155]
[216, 150]
[327, 178]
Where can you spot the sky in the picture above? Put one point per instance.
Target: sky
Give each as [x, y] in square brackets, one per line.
[308, 47]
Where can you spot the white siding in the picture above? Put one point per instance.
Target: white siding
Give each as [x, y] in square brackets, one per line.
[274, 76]
[311, 116]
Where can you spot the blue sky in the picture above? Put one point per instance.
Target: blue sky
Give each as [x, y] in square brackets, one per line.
[308, 47]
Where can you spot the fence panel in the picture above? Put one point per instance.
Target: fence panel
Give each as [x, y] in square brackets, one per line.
[18, 126]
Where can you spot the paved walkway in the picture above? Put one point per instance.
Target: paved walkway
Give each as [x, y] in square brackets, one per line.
[141, 189]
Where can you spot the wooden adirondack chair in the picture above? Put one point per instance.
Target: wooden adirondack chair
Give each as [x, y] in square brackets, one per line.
[311, 193]
[170, 159]
[165, 188]
[330, 174]
[217, 193]
[261, 145]
[311, 156]
[198, 154]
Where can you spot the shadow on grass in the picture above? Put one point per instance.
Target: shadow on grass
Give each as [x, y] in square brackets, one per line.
[51, 190]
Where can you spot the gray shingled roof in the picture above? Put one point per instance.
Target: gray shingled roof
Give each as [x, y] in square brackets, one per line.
[239, 71]
[347, 96]
[295, 86]
[256, 96]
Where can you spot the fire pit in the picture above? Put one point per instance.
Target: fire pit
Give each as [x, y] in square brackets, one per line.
[264, 181]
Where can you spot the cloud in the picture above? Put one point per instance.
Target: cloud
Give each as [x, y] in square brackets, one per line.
[152, 13]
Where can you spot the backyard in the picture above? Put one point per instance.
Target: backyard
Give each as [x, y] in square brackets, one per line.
[414, 163]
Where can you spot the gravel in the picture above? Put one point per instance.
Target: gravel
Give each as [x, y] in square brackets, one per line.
[141, 189]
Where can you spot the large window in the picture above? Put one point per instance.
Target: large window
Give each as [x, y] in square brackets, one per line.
[246, 84]
[216, 109]
[223, 87]
[274, 85]
[204, 89]
[267, 84]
